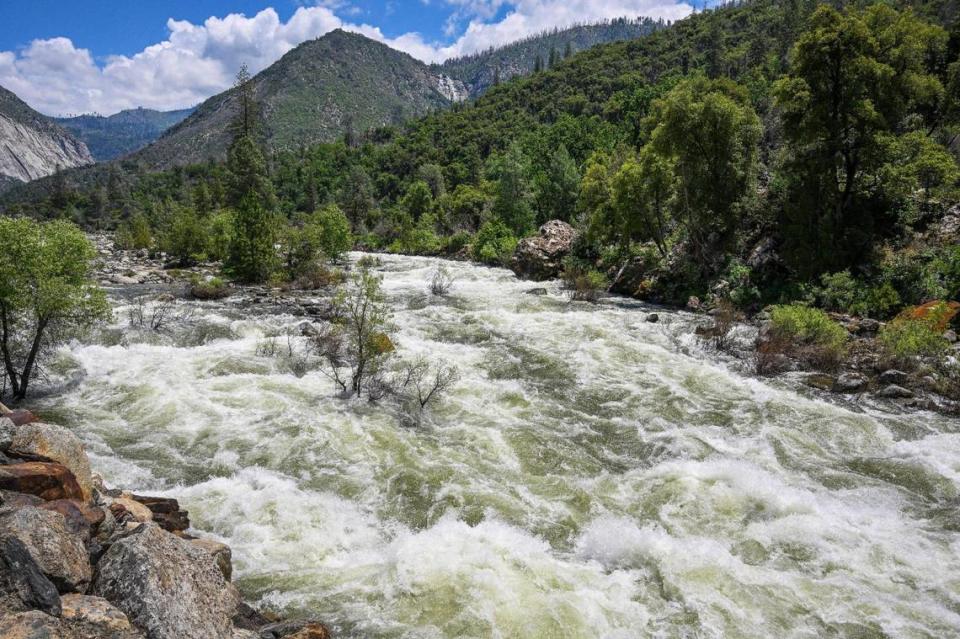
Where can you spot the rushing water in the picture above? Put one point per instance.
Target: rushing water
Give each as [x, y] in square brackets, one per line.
[591, 475]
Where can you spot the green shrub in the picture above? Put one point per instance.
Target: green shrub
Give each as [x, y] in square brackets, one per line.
[211, 289]
[494, 243]
[903, 341]
[839, 291]
[808, 334]
[334, 231]
[582, 281]
[457, 242]
[878, 301]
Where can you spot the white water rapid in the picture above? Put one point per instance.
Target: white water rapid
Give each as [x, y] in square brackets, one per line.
[591, 475]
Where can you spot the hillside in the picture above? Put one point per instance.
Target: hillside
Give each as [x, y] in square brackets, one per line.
[482, 70]
[122, 133]
[31, 146]
[316, 92]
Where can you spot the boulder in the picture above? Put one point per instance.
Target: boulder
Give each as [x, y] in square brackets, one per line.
[95, 617]
[248, 618]
[295, 629]
[892, 377]
[10, 499]
[541, 257]
[127, 509]
[82, 518]
[46, 480]
[58, 551]
[23, 586]
[221, 553]
[7, 429]
[20, 416]
[893, 391]
[536, 291]
[166, 586]
[653, 318]
[57, 444]
[32, 624]
[850, 383]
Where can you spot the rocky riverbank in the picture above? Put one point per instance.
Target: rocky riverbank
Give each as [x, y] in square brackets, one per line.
[79, 560]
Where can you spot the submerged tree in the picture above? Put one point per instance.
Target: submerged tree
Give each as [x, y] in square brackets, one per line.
[46, 293]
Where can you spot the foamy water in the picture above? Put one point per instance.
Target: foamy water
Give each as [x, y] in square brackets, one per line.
[591, 475]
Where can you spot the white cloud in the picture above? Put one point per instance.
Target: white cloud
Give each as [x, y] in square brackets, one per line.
[199, 60]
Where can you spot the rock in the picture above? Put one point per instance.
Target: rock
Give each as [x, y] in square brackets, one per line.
[95, 617]
[693, 303]
[123, 280]
[892, 391]
[241, 633]
[868, 325]
[653, 318]
[221, 553]
[10, 499]
[540, 257]
[127, 509]
[949, 227]
[536, 291]
[22, 583]
[46, 480]
[248, 618]
[57, 444]
[892, 377]
[19, 417]
[850, 383]
[166, 586]
[295, 629]
[82, 518]
[32, 624]
[819, 380]
[950, 336]
[7, 428]
[58, 551]
[166, 512]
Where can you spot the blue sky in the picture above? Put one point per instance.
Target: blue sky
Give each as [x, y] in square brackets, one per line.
[80, 56]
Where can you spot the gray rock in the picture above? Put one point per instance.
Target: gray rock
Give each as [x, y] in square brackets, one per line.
[31, 150]
[7, 429]
[33, 624]
[653, 318]
[168, 587]
[541, 257]
[58, 551]
[868, 325]
[850, 383]
[892, 391]
[950, 336]
[58, 444]
[892, 376]
[536, 291]
[221, 553]
[23, 586]
[311, 628]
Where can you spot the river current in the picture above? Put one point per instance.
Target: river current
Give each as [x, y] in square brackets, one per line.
[592, 474]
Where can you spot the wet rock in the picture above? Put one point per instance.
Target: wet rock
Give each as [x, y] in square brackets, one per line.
[539, 291]
[541, 257]
[892, 377]
[850, 383]
[221, 553]
[57, 444]
[23, 586]
[295, 629]
[165, 511]
[46, 480]
[32, 624]
[893, 391]
[95, 617]
[58, 551]
[819, 380]
[653, 318]
[248, 618]
[166, 586]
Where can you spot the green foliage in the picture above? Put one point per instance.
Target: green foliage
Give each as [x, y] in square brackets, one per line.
[252, 256]
[418, 200]
[493, 243]
[219, 234]
[642, 191]
[904, 341]
[582, 281]
[47, 293]
[134, 233]
[185, 236]
[556, 187]
[809, 334]
[334, 230]
[512, 203]
[212, 288]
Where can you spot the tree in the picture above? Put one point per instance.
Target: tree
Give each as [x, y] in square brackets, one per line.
[642, 192]
[557, 187]
[356, 197]
[854, 77]
[512, 201]
[334, 229]
[184, 237]
[46, 293]
[418, 200]
[709, 133]
[356, 348]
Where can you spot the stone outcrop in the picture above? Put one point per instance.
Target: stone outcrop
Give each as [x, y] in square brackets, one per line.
[96, 617]
[46, 480]
[541, 257]
[167, 586]
[57, 550]
[23, 586]
[57, 444]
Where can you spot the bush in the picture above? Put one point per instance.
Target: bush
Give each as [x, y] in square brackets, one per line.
[494, 243]
[904, 341]
[583, 282]
[456, 242]
[335, 237]
[211, 289]
[809, 335]
[839, 291]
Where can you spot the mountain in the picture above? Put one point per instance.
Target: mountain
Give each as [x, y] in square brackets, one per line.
[121, 133]
[316, 92]
[482, 70]
[31, 146]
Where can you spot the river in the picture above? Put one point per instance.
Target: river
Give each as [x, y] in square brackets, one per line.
[592, 474]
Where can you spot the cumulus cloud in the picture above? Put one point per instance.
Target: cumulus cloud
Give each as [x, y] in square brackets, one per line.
[199, 60]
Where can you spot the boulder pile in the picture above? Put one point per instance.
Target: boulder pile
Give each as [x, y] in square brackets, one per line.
[79, 560]
[541, 257]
